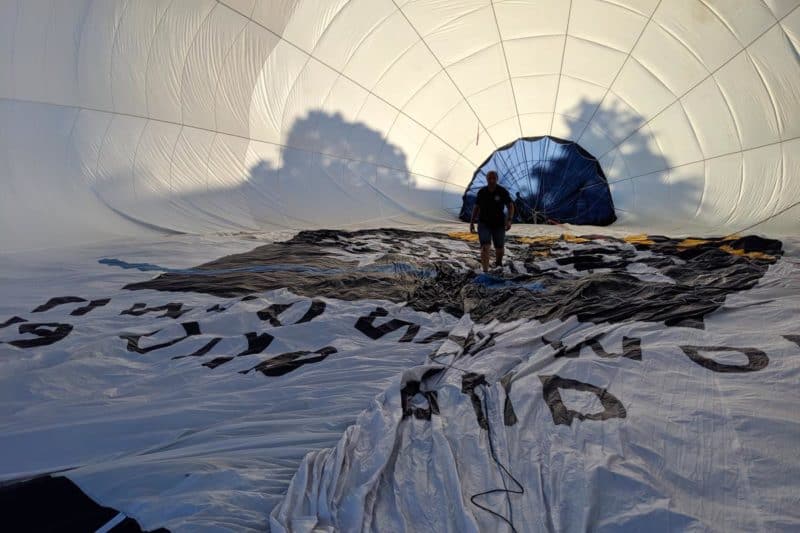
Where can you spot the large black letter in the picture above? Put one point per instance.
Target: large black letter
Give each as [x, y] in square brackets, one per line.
[631, 347]
[364, 325]
[612, 407]
[173, 310]
[191, 328]
[48, 333]
[756, 359]
[469, 381]
[285, 363]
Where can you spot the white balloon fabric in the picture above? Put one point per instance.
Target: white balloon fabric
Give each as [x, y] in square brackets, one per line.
[121, 117]
[638, 382]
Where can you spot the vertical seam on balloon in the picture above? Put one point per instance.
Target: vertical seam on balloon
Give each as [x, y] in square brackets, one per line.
[728, 106]
[766, 5]
[560, 69]
[172, 161]
[688, 49]
[78, 47]
[508, 69]
[378, 80]
[310, 55]
[111, 54]
[70, 135]
[444, 69]
[222, 69]
[624, 62]
[768, 89]
[723, 21]
[703, 192]
[779, 184]
[135, 156]
[150, 55]
[102, 145]
[328, 27]
[188, 53]
[216, 89]
[290, 43]
[711, 73]
[350, 58]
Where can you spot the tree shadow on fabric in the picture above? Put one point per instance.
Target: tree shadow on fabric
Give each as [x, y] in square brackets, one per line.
[554, 181]
[644, 187]
[335, 173]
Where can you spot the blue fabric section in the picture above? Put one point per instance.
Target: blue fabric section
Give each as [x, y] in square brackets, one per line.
[550, 180]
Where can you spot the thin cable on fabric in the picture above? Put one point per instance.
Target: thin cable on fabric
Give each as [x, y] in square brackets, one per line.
[520, 489]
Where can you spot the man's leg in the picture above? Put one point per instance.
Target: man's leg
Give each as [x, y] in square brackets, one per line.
[499, 238]
[485, 238]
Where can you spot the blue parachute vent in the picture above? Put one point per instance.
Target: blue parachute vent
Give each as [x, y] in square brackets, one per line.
[552, 181]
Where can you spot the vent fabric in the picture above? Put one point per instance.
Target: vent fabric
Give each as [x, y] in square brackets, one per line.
[551, 181]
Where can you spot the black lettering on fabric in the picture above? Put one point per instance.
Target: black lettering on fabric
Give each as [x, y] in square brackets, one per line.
[509, 416]
[80, 311]
[47, 333]
[11, 321]
[433, 337]
[272, 312]
[317, 308]
[407, 393]
[202, 351]
[469, 381]
[287, 362]
[756, 359]
[364, 325]
[256, 343]
[631, 348]
[172, 310]
[474, 343]
[612, 407]
[55, 302]
[190, 328]
[791, 338]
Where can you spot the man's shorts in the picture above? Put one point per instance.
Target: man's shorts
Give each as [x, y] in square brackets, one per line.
[488, 234]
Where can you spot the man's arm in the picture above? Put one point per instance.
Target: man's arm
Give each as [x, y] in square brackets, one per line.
[475, 212]
[510, 217]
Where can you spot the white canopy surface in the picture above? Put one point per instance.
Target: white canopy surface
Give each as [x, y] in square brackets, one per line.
[173, 348]
[119, 116]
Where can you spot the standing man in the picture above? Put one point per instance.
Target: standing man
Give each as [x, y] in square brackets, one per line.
[492, 223]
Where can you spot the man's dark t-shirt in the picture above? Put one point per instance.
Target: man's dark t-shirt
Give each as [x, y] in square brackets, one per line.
[491, 205]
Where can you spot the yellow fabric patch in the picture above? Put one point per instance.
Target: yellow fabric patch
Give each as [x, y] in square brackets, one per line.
[642, 238]
[464, 236]
[742, 253]
[568, 237]
[545, 239]
[691, 243]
